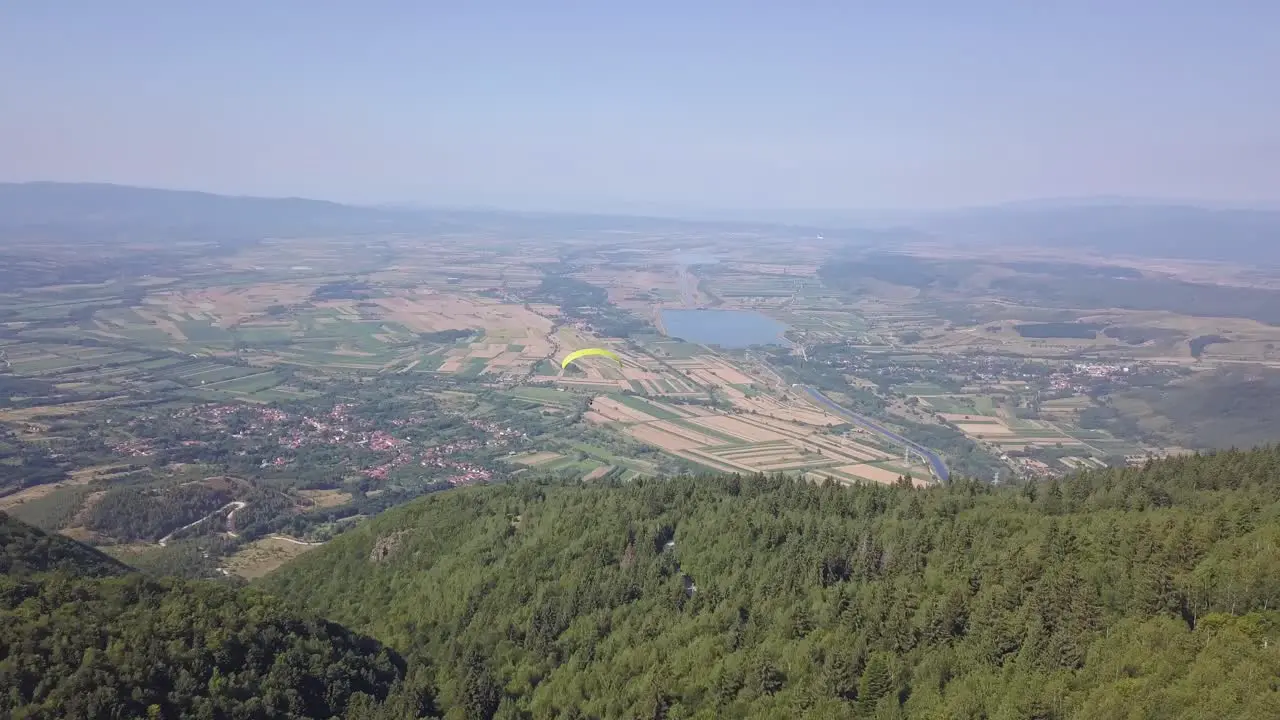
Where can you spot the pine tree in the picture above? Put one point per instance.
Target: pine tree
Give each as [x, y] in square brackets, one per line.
[841, 675]
[876, 682]
[766, 678]
[479, 694]
[801, 622]
[725, 684]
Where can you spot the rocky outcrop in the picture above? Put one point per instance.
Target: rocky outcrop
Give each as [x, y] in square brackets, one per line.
[386, 545]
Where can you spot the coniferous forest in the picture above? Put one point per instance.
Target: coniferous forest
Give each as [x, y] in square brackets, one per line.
[1133, 593]
[83, 638]
[1130, 593]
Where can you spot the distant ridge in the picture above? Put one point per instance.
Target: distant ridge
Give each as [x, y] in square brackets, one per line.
[67, 208]
[1083, 201]
[1109, 224]
[42, 203]
[1150, 230]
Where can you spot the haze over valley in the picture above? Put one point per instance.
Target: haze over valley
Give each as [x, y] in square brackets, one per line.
[645, 362]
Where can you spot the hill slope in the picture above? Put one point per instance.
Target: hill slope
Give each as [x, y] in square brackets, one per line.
[1134, 593]
[25, 550]
[80, 638]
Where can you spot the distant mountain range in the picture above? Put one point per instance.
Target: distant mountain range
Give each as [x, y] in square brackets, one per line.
[1122, 226]
[1176, 231]
[1058, 203]
[139, 212]
[1119, 225]
[84, 206]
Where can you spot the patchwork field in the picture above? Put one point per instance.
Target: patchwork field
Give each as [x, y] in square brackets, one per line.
[220, 307]
[639, 373]
[1068, 446]
[110, 371]
[743, 442]
[873, 473]
[77, 478]
[399, 330]
[535, 459]
[429, 311]
[475, 322]
[636, 287]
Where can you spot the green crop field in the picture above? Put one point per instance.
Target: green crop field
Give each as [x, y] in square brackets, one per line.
[283, 393]
[609, 458]
[43, 365]
[728, 440]
[1035, 434]
[202, 332]
[1088, 435]
[160, 363]
[213, 375]
[428, 363]
[249, 384]
[648, 408]
[925, 389]
[984, 404]
[591, 388]
[251, 336]
[473, 368]
[950, 404]
[677, 350]
[542, 395]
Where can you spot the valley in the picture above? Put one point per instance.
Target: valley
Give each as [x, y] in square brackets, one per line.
[831, 485]
[634, 361]
[289, 387]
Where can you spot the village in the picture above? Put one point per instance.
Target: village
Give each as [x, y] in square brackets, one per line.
[376, 447]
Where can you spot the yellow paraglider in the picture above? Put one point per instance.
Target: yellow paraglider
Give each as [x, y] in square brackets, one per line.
[590, 352]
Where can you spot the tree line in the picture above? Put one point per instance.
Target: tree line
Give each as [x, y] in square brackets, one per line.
[1147, 592]
[82, 637]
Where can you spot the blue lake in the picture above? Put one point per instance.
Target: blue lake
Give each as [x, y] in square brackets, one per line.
[726, 328]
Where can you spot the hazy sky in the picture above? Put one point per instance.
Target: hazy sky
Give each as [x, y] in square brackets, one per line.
[697, 103]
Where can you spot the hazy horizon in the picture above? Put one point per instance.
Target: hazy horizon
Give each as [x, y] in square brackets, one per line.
[661, 107]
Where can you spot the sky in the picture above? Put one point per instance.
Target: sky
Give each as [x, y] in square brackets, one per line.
[602, 106]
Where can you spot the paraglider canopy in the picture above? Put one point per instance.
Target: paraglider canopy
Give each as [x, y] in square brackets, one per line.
[590, 352]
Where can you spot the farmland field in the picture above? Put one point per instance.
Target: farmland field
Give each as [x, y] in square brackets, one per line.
[744, 442]
[335, 375]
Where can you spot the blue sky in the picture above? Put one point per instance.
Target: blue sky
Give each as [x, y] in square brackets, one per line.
[608, 105]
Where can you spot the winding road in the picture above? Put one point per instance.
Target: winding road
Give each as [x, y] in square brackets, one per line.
[234, 505]
[935, 461]
[295, 541]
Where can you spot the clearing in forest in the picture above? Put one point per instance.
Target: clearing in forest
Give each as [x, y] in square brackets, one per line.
[264, 555]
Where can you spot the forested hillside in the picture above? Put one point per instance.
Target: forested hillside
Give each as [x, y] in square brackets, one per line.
[80, 638]
[25, 550]
[1139, 593]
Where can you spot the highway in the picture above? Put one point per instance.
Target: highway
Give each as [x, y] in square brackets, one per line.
[939, 467]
